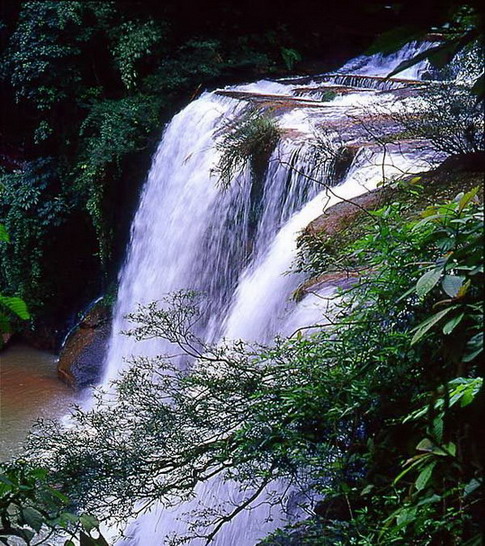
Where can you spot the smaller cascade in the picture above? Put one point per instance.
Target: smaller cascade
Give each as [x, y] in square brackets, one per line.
[263, 305]
[365, 81]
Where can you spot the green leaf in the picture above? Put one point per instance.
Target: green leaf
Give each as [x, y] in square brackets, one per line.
[4, 324]
[89, 522]
[16, 305]
[429, 500]
[424, 476]
[471, 486]
[427, 324]
[428, 446]
[416, 461]
[33, 518]
[428, 281]
[451, 449]
[405, 516]
[5, 480]
[57, 494]
[467, 198]
[425, 445]
[39, 473]
[464, 289]
[86, 540]
[438, 432]
[452, 324]
[465, 390]
[474, 347]
[3, 234]
[451, 284]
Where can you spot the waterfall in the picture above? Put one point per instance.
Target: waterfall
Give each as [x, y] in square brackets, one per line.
[235, 246]
[190, 234]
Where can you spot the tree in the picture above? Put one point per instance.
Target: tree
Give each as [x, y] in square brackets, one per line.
[34, 512]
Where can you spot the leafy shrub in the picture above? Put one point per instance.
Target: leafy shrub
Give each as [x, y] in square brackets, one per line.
[249, 139]
[32, 205]
[112, 130]
[33, 512]
[446, 114]
[41, 60]
[9, 306]
[133, 41]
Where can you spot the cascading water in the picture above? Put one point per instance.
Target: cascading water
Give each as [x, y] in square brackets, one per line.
[190, 234]
[235, 246]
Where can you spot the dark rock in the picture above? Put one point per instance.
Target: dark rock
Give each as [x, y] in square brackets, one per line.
[340, 215]
[342, 163]
[44, 335]
[336, 508]
[471, 162]
[439, 184]
[82, 355]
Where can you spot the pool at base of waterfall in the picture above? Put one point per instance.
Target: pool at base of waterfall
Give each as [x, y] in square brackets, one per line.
[29, 390]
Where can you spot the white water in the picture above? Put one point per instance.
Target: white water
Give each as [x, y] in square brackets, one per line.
[235, 247]
[261, 306]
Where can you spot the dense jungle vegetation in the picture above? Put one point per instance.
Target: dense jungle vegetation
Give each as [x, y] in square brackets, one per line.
[375, 416]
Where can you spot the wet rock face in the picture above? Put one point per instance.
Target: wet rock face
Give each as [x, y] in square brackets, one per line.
[340, 215]
[340, 225]
[45, 336]
[82, 355]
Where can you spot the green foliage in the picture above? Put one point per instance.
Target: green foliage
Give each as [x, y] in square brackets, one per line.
[448, 115]
[437, 505]
[250, 139]
[363, 413]
[290, 57]
[10, 305]
[40, 65]
[34, 512]
[112, 130]
[133, 41]
[33, 206]
[16, 306]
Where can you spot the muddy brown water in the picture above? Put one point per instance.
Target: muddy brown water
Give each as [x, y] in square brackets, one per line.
[29, 390]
